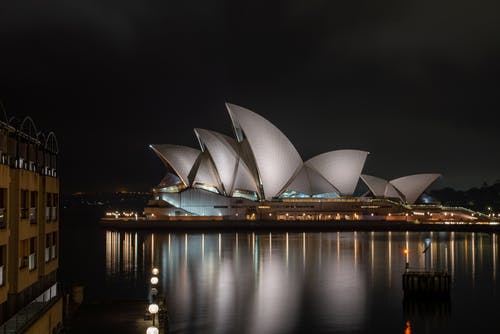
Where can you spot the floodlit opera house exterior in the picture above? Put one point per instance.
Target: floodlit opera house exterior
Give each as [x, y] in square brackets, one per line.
[260, 175]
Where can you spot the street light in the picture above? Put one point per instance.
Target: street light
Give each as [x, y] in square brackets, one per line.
[407, 264]
[152, 330]
[154, 280]
[153, 308]
[155, 271]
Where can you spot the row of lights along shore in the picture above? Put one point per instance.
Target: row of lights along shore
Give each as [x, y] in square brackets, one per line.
[153, 308]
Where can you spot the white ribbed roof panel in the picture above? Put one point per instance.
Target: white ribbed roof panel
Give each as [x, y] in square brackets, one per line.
[413, 186]
[391, 192]
[340, 168]
[276, 158]
[319, 185]
[206, 173]
[376, 185]
[180, 158]
[223, 151]
[300, 183]
[243, 179]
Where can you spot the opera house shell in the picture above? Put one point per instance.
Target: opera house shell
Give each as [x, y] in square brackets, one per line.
[260, 168]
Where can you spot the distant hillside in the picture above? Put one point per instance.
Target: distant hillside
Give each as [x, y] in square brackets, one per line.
[485, 199]
[106, 201]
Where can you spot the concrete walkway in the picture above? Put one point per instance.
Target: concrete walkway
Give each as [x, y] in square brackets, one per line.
[117, 317]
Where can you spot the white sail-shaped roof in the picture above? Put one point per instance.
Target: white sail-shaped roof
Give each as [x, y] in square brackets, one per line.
[391, 192]
[205, 173]
[276, 158]
[413, 186]
[180, 158]
[375, 184]
[300, 183]
[169, 180]
[243, 179]
[308, 181]
[319, 185]
[340, 168]
[224, 153]
[380, 187]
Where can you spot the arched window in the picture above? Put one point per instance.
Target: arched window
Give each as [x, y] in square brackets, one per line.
[52, 149]
[29, 142]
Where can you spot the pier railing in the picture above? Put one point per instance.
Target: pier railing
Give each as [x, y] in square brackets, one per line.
[426, 283]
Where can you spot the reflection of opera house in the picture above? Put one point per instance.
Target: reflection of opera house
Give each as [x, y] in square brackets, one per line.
[260, 175]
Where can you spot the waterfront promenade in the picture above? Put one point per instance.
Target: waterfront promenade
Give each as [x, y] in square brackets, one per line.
[371, 225]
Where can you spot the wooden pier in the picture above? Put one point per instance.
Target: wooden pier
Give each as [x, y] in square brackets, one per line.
[426, 283]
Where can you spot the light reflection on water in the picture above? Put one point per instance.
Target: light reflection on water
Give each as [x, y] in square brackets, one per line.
[314, 282]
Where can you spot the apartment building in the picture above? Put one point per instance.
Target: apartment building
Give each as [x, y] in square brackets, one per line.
[29, 228]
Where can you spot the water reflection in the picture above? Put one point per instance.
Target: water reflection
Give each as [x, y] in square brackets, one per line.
[284, 282]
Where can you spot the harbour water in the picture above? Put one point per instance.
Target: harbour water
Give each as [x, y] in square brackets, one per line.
[334, 282]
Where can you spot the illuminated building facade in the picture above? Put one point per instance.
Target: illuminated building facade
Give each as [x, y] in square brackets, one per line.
[259, 174]
[29, 229]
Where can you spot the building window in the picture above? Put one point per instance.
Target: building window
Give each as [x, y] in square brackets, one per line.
[55, 205]
[33, 206]
[54, 245]
[52, 207]
[24, 204]
[27, 256]
[32, 254]
[3, 207]
[48, 246]
[23, 253]
[48, 206]
[3, 256]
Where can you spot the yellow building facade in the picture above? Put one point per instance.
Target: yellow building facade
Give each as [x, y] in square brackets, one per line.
[29, 229]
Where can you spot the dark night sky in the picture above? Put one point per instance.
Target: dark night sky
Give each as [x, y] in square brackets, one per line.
[416, 83]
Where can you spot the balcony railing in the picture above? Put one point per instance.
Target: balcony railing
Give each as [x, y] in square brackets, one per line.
[3, 217]
[47, 254]
[33, 216]
[49, 171]
[31, 312]
[31, 262]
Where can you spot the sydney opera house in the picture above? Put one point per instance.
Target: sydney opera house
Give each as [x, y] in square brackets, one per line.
[259, 174]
